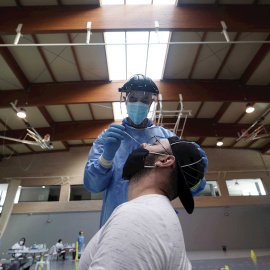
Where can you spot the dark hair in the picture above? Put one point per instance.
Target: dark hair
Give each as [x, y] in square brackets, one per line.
[59, 240]
[23, 238]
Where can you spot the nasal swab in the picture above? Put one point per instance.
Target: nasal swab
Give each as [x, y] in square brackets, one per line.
[133, 138]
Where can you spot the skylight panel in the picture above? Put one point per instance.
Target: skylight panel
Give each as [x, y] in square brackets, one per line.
[136, 54]
[116, 55]
[112, 2]
[157, 54]
[138, 2]
[119, 113]
[164, 2]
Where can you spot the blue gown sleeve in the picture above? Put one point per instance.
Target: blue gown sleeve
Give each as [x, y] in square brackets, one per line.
[96, 178]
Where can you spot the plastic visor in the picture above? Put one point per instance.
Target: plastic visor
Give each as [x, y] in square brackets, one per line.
[123, 108]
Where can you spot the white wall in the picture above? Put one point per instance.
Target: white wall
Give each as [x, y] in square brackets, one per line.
[73, 162]
[35, 228]
[207, 228]
[246, 227]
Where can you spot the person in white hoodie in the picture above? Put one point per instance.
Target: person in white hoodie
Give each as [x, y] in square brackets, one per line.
[60, 249]
[20, 249]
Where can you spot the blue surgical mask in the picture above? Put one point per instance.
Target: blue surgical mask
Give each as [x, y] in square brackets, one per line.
[137, 111]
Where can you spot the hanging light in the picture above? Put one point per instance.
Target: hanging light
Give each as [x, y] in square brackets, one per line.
[219, 142]
[236, 183]
[21, 113]
[249, 108]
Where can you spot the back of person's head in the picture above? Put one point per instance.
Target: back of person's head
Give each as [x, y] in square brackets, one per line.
[186, 177]
[191, 165]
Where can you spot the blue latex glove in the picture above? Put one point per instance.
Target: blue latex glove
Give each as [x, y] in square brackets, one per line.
[112, 140]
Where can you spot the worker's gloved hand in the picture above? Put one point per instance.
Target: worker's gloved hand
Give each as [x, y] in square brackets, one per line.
[112, 140]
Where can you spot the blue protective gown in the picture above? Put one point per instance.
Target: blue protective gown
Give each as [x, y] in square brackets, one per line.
[98, 179]
[80, 242]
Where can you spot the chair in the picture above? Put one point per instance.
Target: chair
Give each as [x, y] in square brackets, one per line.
[47, 262]
[53, 251]
[61, 252]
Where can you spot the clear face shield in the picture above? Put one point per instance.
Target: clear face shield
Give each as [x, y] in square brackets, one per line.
[138, 105]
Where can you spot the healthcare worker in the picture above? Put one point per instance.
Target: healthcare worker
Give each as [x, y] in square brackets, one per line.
[80, 242]
[103, 171]
[21, 249]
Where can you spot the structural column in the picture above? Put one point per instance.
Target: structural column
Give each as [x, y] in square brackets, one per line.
[8, 205]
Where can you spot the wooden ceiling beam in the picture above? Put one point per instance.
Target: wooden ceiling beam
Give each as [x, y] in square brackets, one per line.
[44, 58]
[197, 56]
[255, 62]
[199, 109]
[46, 115]
[204, 18]
[65, 93]
[11, 149]
[11, 62]
[223, 64]
[80, 130]
[18, 3]
[69, 112]
[75, 57]
[28, 146]
[66, 145]
[221, 111]
[242, 114]
[4, 124]
[201, 140]
[266, 148]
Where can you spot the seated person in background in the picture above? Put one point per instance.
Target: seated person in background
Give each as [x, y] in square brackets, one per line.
[24, 262]
[145, 232]
[60, 249]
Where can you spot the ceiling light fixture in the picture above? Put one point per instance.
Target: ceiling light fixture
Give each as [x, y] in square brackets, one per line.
[21, 113]
[249, 108]
[219, 142]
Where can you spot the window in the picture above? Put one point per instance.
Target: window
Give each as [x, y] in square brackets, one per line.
[245, 187]
[39, 194]
[144, 53]
[211, 189]
[79, 192]
[138, 2]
